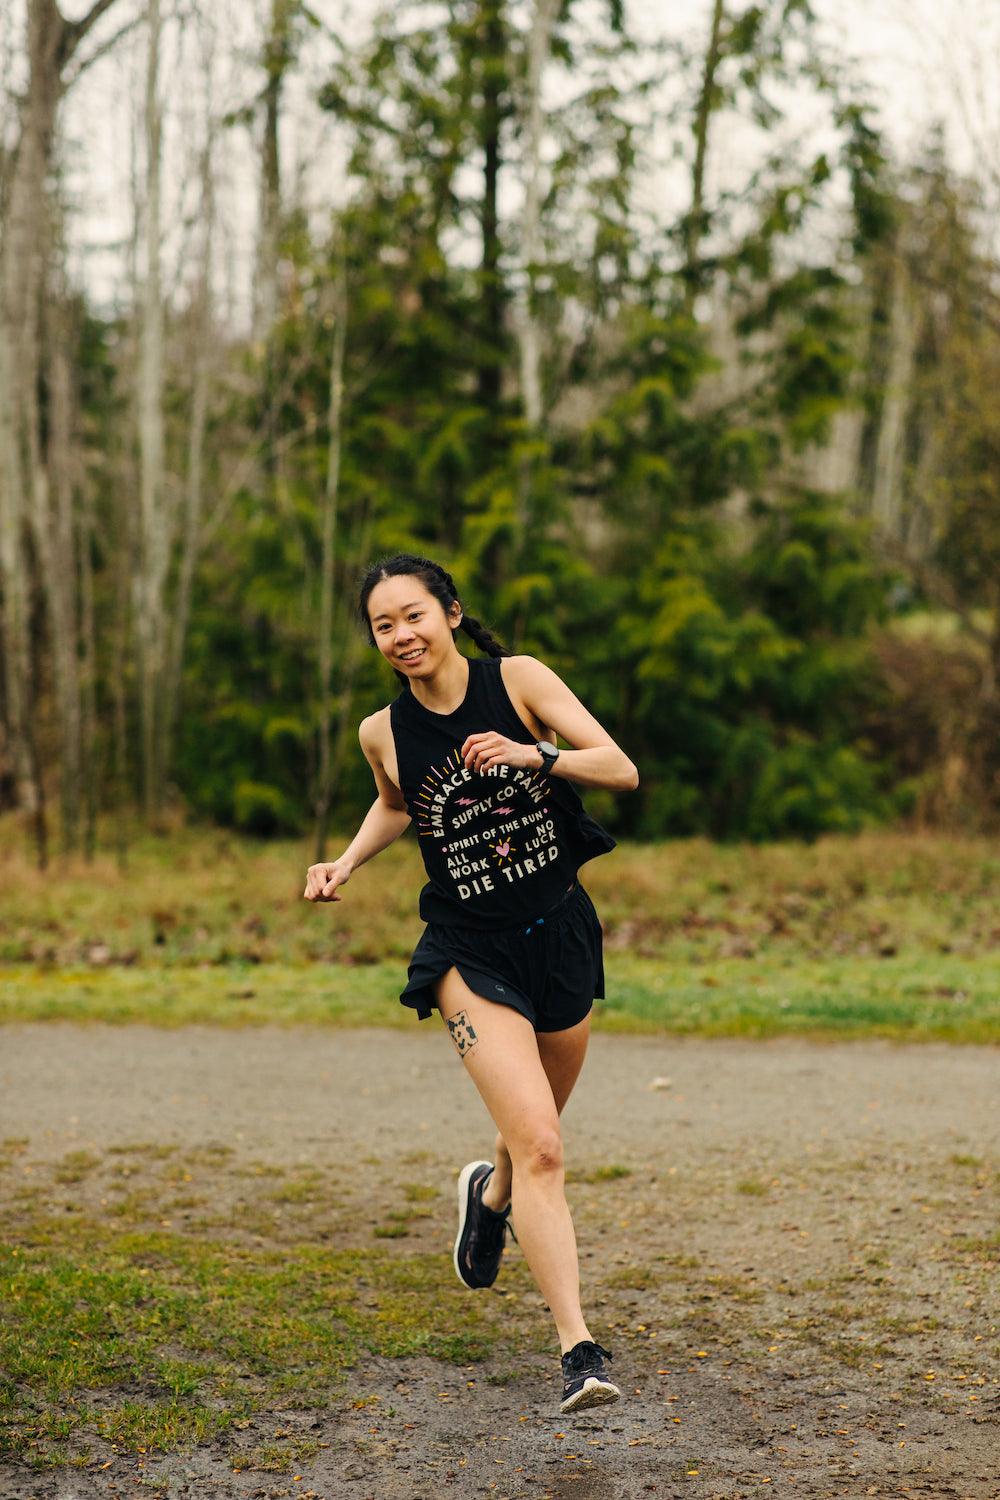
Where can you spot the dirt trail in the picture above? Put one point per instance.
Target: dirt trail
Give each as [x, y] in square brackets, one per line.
[798, 1275]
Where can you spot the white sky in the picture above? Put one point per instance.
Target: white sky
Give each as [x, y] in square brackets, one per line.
[923, 59]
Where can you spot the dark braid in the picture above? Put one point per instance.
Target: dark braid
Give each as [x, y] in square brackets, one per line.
[437, 582]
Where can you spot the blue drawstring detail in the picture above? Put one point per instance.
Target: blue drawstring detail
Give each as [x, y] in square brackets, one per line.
[534, 924]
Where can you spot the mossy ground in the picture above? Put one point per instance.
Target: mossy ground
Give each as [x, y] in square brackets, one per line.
[163, 1299]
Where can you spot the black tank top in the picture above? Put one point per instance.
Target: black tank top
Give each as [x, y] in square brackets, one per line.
[497, 846]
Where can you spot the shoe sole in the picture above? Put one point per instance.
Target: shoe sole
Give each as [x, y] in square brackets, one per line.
[593, 1392]
[463, 1213]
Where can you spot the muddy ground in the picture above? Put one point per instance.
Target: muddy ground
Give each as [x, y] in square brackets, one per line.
[797, 1276]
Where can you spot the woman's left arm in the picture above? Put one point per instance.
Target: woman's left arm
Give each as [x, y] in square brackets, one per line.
[595, 759]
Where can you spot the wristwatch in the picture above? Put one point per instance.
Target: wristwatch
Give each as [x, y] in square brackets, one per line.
[548, 752]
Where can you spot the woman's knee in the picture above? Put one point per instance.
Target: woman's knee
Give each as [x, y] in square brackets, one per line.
[537, 1149]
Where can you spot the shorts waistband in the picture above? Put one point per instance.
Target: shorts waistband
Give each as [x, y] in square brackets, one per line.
[525, 924]
[556, 906]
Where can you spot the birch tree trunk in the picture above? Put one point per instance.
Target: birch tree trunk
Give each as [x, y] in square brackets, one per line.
[88, 674]
[155, 521]
[25, 480]
[694, 227]
[539, 49]
[529, 333]
[202, 361]
[277, 57]
[62, 475]
[492, 54]
[350, 659]
[887, 479]
[329, 533]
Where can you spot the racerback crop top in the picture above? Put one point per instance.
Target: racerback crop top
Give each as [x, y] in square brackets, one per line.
[499, 845]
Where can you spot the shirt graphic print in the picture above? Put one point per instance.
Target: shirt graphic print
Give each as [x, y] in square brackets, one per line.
[498, 845]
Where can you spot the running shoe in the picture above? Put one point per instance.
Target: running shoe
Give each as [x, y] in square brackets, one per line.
[585, 1380]
[481, 1232]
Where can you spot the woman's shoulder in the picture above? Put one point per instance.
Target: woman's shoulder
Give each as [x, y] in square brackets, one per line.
[374, 730]
[525, 670]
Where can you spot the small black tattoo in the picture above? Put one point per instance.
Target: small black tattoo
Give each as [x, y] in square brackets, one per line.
[462, 1032]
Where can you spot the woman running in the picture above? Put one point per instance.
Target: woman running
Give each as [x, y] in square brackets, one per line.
[511, 954]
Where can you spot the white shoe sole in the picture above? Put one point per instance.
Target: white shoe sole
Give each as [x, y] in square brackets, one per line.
[463, 1211]
[593, 1392]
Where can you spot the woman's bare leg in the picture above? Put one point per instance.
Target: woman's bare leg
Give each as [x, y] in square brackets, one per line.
[562, 1054]
[500, 1052]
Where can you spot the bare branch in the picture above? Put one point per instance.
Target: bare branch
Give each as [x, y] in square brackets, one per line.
[77, 30]
[100, 51]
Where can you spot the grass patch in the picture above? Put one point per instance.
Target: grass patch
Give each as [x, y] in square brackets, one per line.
[918, 999]
[879, 934]
[597, 1174]
[152, 1340]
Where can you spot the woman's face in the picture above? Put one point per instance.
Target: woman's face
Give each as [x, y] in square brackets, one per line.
[405, 618]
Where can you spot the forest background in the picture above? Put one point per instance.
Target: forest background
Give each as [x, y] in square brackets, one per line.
[725, 456]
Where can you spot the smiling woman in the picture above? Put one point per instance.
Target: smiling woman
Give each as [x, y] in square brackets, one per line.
[512, 953]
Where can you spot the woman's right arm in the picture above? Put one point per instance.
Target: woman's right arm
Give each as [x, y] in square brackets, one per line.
[385, 820]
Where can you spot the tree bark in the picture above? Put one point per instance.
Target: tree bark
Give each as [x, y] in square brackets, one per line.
[277, 57]
[539, 49]
[694, 227]
[492, 65]
[155, 521]
[25, 480]
[88, 675]
[350, 659]
[202, 333]
[329, 534]
[56, 545]
[887, 480]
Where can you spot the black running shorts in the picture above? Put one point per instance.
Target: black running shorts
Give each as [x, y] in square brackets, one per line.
[550, 969]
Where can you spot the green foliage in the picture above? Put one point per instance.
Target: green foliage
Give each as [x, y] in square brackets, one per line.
[648, 540]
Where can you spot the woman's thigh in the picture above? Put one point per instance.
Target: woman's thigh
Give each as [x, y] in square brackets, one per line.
[500, 1051]
[562, 1054]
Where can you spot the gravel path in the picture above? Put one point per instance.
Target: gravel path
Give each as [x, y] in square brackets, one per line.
[785, 1204]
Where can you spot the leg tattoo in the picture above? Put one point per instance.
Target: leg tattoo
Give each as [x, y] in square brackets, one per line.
[462, 1033]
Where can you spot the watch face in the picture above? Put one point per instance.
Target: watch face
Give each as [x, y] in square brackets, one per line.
[547, 748]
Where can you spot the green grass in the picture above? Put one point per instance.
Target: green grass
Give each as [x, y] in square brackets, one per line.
[201, 1334]
[914, 999]
[882, 934]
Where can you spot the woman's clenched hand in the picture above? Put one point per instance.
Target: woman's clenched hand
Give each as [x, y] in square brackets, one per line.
[323, 881]
[481, 751]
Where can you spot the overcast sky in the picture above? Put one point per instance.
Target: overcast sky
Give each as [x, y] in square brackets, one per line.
[923, 60]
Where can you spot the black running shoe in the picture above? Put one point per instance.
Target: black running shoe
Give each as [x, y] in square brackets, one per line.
[481, 1232]
[585, 1380]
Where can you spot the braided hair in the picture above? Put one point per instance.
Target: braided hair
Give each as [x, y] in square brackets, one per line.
[437, 582]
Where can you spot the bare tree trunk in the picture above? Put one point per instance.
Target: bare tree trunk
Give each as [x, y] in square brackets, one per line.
[155, 529]
[526, 321]
[329, 532]
[887, 499]
[88, 674]
[52, 44]
[121, 797]
[694, 226]
[202, 334]
[277, 57]
[492, 54]
[539, 49]
[349, 662]
[58, 547]
[14, 586]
